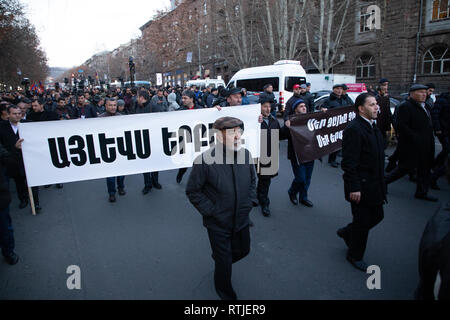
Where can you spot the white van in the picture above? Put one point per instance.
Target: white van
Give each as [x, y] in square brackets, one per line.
[205, 83]
[322, 82]
[283, 75]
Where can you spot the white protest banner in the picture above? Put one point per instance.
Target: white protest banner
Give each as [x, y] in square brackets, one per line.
[77, 150]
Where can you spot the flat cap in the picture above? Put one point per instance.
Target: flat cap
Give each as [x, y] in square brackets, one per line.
[120, 102]
[383, 80]
[234, 91]
[228, 123]
[415, 87]
[344, 86]
[303, 86]
[338, 86]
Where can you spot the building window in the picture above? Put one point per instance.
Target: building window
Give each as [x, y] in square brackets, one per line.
[205, 9]
[365, 67]
[436, 60]
[441, 10]
[365, 19]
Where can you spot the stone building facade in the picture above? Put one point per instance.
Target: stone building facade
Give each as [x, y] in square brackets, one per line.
[397, 50]
[391, 46]
[182, 44]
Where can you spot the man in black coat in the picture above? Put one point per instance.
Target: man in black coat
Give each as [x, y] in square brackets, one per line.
[299, 93]
[335, 100]
[7, 243]
[267, 171]
[415, 141]
[441, 124]
[144, 105]
[363, 165]
[223, 189]
[434, 256]
[9, 136]
[384, 120]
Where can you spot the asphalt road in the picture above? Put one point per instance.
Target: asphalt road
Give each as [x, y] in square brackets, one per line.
[155, 247]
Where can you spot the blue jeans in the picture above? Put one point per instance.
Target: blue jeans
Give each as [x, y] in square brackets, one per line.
[111, 183]
[6, 233]
[302, 178]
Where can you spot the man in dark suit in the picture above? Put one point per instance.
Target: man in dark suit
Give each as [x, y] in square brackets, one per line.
[363, 165]
[9, 135]
[415, 141]
[384, 120]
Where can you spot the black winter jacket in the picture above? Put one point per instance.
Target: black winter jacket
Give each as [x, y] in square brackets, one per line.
[224, 194]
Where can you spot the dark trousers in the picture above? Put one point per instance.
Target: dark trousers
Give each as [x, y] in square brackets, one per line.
[423, 177]
[22, 190]
[111, 183]
[385, 139]
[357, 232]
[440, 159]
[263, 190]
[302, 178]
[182, 171]
[150, 178]
[395, 156]
[332, 157]
[6, 233]
[227, 249]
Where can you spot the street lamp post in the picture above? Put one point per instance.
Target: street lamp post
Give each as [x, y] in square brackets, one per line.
[132, 70]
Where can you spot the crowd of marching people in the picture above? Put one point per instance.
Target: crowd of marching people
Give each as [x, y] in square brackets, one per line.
[417, 121]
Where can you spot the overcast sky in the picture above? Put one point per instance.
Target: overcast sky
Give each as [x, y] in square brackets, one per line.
[71, 31]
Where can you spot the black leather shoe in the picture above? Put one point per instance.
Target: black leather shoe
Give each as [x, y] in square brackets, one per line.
[342, 234]
[426, 198]
[112, 199]
[157, 185]
[179, 178]
[37, 208]
[293, 199]
[307, 203]
[12, 259]
[146, 190]
[265, 211]
[360, 264]
[122, 192]
[23, 204]
[59, 186]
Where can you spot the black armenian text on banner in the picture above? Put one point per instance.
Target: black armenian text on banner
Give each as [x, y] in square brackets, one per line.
[315, 135]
